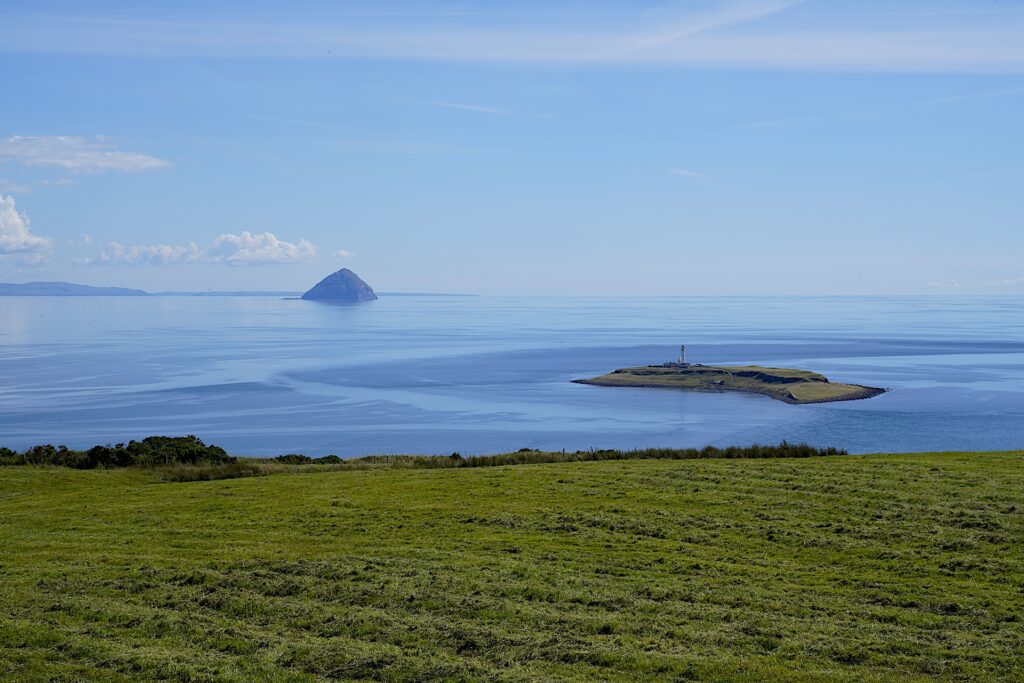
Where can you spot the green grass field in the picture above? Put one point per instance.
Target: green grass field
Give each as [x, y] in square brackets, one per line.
[847, 568]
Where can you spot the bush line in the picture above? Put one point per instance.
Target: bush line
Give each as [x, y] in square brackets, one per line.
[187, 458]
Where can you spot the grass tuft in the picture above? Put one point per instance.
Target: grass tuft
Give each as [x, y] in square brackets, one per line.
[232, 470]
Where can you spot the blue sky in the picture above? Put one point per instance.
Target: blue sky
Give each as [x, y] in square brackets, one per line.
[709, 147]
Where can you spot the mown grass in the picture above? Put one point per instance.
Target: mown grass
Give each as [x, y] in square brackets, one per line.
[854, 568]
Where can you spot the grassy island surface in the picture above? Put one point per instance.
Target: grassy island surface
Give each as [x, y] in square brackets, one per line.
[839, 568]
[783, 384]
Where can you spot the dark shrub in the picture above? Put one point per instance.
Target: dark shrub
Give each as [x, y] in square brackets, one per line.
[9, 457]
[293, 459]
[153, 450]
[174, 450]
[166, 451]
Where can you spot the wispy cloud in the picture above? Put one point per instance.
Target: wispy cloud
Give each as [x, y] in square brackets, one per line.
[299, 122]
[398, 147]
[242, 249]
[726, 33]
[687, 173]
[471, 107]
[875, 112]
[372, 142]
[675, 21]
[802, 120]
[12, 187]
[74, 154]
[16, 237]
[990, 284]
[968, 97]
[119, 254]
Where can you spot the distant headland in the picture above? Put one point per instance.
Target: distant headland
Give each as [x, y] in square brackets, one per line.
[71, 289]
[783, 384]
[342, 286]
[64, 289]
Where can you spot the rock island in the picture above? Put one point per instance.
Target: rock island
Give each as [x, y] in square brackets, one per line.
[343, 286]
[783, 384]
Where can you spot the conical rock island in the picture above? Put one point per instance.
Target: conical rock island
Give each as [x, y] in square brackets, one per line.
[343, 285]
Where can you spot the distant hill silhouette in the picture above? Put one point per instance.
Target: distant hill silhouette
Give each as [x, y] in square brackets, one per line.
[64, 289]
[343, 285]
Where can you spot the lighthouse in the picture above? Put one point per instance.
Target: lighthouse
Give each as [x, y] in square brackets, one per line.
[682, 354]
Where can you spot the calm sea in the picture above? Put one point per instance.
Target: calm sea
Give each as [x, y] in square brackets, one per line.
[435, 374]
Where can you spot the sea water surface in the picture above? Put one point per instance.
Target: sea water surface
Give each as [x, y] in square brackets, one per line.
[437, 374]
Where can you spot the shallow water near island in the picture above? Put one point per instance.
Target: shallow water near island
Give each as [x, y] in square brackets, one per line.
[437, 374]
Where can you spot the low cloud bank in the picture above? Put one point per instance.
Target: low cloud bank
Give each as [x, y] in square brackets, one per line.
[243, 249]
[956, 284]
[74, 154]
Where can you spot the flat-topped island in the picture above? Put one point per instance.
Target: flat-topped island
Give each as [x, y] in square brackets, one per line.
[783, 384]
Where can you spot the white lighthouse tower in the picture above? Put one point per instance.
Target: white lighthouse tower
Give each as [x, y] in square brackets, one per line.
[682, 354]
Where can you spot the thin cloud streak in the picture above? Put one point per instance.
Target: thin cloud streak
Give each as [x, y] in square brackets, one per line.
[74, 154]
[471, 107]
[299, 122]
[13, 187]
[730, 14]
[686, 173]
[409, 148]
[851, 114]
[968, 97]
[730, 37]
[991, 284]
[369, 142]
